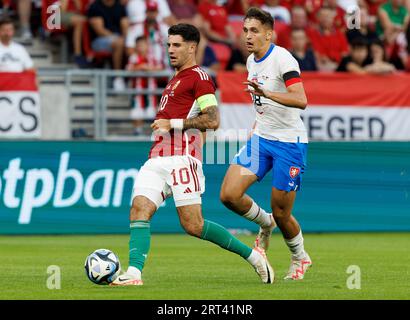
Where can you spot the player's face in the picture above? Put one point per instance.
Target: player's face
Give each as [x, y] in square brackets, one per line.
[180, 51]
[257, 35]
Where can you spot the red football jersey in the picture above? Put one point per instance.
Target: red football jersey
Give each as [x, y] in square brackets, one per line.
[178, 101]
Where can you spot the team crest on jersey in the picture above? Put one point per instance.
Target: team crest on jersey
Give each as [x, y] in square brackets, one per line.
[294, 171]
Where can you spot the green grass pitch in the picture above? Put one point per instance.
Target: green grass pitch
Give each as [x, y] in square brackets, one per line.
[182, 267]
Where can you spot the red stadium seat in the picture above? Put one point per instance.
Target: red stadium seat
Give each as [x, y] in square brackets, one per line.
[222, 52]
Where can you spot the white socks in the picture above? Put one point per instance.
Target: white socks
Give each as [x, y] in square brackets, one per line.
[296, 247]
[134, 271]
[254, 257]
[258, 215]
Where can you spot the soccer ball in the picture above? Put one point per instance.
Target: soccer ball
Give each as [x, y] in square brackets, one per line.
[102, 266]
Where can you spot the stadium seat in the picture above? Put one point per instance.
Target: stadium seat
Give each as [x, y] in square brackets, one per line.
[222, 52]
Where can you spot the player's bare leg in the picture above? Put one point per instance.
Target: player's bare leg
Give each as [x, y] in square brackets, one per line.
[193, 223]
[237, 180]
[282, 204]
[141, 213]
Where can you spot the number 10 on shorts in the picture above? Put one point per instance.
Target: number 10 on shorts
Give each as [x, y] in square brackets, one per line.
[182, 177]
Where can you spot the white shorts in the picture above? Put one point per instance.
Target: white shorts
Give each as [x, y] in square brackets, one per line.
[179, 176]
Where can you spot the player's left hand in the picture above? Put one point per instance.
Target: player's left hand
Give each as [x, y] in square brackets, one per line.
[256, 88]
[161, 125]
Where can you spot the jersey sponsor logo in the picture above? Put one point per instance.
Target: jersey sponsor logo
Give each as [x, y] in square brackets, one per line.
[294, 171]
[202, 73]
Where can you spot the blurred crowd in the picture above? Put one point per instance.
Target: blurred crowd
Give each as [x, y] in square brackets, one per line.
[356, 36]
[359, 36]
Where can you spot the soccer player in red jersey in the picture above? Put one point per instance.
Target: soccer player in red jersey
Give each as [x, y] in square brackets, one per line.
[188, 107]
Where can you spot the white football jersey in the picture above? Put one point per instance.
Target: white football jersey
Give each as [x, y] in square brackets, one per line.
[275, 121]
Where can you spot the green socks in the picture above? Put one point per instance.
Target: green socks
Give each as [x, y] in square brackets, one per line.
[140, 238]
[217, 234]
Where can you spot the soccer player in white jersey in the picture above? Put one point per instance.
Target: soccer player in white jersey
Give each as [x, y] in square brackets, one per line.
[278, 143]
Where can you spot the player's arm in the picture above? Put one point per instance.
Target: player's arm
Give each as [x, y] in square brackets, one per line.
[295, 96]
[207, 119]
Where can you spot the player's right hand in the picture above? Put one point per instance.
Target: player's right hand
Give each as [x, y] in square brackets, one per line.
[163, 125]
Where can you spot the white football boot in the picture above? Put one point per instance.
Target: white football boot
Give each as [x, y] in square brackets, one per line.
[263, 238]
[263, 267]
[298, 268]
[127, 279]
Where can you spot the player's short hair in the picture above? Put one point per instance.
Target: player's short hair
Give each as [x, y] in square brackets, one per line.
[5, 20]
[188, 32]
[262, 16]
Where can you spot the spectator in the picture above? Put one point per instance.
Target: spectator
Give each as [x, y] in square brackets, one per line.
[72, 17]
[143, 105]
[339, 18]
[24, 13]
[109, 25]
[358, 58]
[205, 55]
[216, 25]
[329, 44]
[136, 10]
[393, 19]
[363, 31]
[404, 51]
[185, 11]
[374, 6]
[379, 62]
[13, 56]
[348, 4]
[239, 7]
[289, 4]
[312, 7]
[277, 11]
[237, 61]
[298, 21]
[304, 56]
[156, 33]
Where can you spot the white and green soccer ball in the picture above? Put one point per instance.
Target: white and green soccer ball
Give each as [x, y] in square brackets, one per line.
[102, 266]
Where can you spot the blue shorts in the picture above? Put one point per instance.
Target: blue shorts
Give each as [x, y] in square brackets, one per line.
[288, 161]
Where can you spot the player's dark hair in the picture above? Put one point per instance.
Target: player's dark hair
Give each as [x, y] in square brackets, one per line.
[264, 17]
[5, 20]
[188, 32]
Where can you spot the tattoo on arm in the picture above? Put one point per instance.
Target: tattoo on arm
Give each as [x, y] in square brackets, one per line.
[208, 119]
